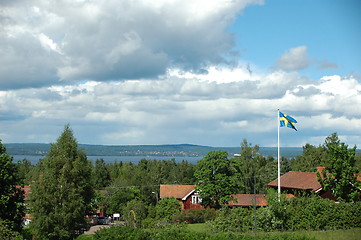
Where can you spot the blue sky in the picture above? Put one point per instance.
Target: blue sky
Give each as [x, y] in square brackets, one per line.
[171, 71]
[329, 29]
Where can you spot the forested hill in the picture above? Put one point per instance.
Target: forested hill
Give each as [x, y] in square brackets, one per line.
[187, 150]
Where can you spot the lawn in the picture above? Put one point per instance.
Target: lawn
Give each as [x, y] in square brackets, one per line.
[352, 234]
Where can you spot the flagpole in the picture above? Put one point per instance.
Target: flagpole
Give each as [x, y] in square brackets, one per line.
[278, 157]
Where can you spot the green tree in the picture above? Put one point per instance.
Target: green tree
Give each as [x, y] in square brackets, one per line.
[26, 171]
[11, 196]
[8, 234]
[218, 177]
[118, 196]
[340, 174]
[134, 212]
[253, 164]
[311, 158]
[167, 208]
[62, 195]
[101, 176]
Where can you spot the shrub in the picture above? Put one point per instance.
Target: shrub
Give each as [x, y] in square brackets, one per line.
[7, 233]
[167, 208]
[232, 220]
[121, 233]
[195, 215]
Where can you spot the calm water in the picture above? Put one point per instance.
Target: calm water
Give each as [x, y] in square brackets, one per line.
[111, 159]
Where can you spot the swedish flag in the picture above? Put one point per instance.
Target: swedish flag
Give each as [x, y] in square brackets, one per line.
[286, 120]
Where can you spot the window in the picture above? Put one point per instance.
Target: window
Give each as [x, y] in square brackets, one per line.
[196, 199]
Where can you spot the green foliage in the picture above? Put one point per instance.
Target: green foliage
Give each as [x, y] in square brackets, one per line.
[6, 233]
[305, 213]
[86, 237]
[232, 220]
[167, 208]
[26, 172]
[134, 213]
[101, 176]
[177, 232]
[253, 163]
[311, 158]
[146, 176]
[218, 177]
[195, 215]
[117, 198]
[120, 233]
[61, 196]
[340, 173]
[266, 220]
[358, 162]
[11, 197]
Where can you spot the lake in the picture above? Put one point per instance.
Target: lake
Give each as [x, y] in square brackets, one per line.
[111, 159]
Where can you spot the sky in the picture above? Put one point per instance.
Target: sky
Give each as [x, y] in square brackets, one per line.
[205, 72]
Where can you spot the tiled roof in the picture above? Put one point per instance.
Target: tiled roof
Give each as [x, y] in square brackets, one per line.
[298, 180]
[177, 191]
[245, 200]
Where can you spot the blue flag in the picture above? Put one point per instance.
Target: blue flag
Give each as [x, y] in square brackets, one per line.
[286, 120]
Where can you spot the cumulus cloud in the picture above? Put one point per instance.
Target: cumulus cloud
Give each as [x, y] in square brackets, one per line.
[294, 59]
[43, 41]
[183, 107]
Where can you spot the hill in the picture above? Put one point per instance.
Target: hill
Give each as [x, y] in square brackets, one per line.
[176, 150]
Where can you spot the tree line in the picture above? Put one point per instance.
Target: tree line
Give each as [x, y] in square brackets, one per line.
[66, 186]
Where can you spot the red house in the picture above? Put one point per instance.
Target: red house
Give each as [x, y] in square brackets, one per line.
[185, 194]
[292, 182]
[190, 199]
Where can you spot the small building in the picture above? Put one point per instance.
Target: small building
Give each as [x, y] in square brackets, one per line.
[185, 194]
[190, 199]
[295, 182]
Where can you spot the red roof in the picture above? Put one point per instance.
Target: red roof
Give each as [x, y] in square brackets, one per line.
[177, 191]
[246, 200]
[298, 180]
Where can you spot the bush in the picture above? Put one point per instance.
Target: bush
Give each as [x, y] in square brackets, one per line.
[232, 220]
[167, 208]
[195, 215]
[306, 213]
[7, 233]
[120, 233]
[266, 220]
[178, 232]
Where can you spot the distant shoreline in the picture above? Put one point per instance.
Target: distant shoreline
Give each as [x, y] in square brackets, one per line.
[154, 151]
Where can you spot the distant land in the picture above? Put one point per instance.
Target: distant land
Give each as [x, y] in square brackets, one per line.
[172, 150]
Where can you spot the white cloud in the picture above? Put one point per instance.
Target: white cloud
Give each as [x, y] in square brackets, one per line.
[47, 41]
[294, 59]
[179, 109]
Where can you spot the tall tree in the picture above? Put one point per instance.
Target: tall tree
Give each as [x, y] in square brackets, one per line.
[218, 178]
[340, 174]
[11, 196]
[101, 176]
[311, 158]
[254, 164]
[26, 171]
[62, 195]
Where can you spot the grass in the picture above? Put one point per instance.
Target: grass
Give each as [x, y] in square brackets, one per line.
[198, 227]
[351, 234]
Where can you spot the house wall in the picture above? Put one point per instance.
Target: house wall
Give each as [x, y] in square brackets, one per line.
[187, 204]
